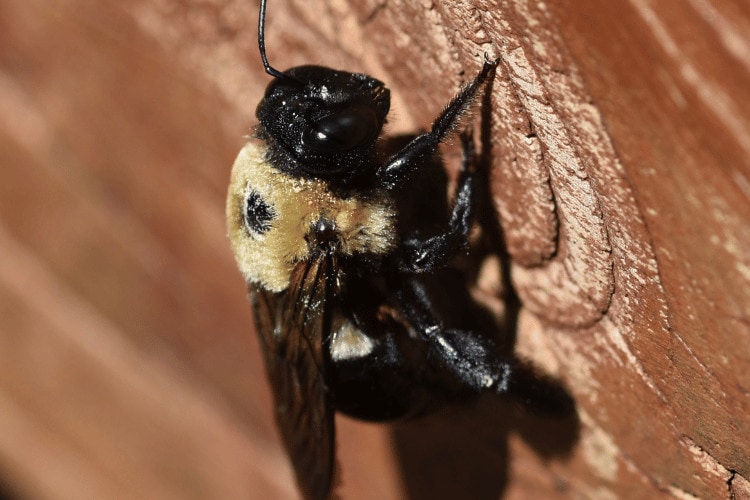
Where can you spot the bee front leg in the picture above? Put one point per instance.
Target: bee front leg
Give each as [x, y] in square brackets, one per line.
[424, 146]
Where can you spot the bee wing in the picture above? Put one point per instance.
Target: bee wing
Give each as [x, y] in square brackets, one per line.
[293, 326]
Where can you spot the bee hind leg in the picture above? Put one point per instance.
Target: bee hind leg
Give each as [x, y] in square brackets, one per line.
[472, 359]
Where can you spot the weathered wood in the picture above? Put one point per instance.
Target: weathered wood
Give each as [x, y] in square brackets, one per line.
[620, 142]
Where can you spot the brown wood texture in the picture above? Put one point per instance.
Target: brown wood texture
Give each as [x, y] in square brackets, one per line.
[620, 147]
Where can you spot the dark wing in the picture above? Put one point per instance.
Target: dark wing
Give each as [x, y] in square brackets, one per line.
[293, 326]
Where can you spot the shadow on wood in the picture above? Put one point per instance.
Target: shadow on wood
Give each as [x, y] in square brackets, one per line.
[463, 453]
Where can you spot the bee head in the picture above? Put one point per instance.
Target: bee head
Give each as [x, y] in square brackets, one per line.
[322, 122]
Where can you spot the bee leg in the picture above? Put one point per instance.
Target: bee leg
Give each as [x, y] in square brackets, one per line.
[472, 359]
[424, 146]
[467, 355]
[425, 255]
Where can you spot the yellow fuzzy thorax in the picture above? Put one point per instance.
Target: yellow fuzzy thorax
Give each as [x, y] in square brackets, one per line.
[364, 226]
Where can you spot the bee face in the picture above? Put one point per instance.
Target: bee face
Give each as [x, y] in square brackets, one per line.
[322, 122]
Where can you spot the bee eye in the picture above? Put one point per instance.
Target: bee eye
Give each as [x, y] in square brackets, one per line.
[342, 131]
[258, 214]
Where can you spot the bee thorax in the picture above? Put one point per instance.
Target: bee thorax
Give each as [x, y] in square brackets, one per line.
[276, 220]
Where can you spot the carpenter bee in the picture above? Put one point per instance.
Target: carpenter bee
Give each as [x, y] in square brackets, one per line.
[337, 282]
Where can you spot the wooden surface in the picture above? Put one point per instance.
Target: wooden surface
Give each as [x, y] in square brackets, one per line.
[620, 143]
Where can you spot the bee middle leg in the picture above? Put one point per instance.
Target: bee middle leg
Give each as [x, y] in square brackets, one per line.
[424, 255]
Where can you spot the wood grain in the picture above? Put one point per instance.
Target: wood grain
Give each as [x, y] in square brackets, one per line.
[620, 146]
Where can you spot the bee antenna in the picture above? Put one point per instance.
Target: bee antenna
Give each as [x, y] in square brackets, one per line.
[262, 43]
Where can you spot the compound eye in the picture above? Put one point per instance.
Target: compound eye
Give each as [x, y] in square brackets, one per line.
[343, 131]
[258, 213]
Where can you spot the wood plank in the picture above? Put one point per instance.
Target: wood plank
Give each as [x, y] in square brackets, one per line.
[621, 178]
